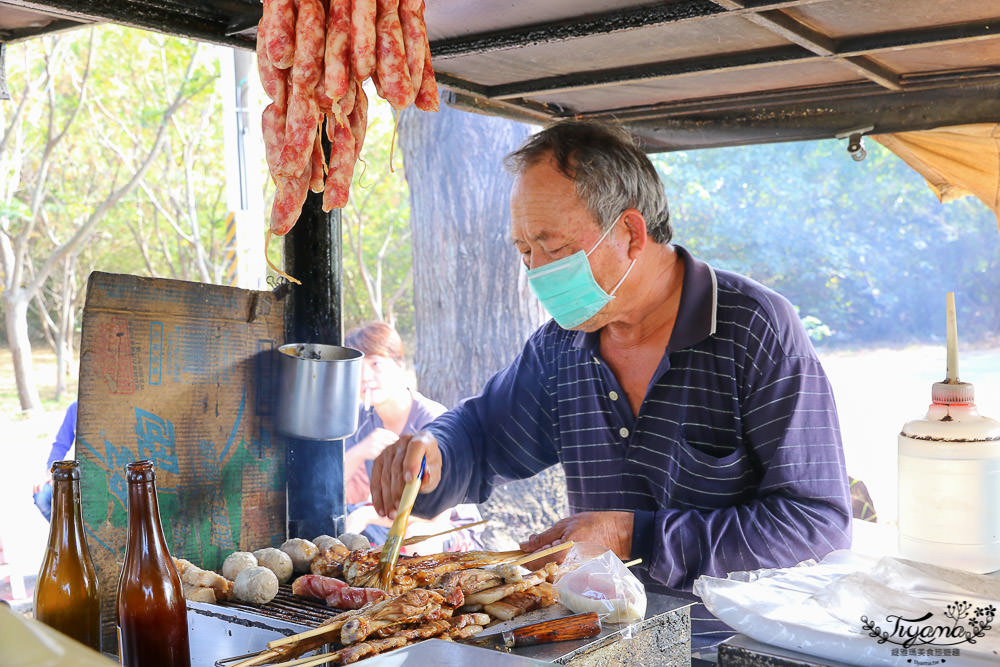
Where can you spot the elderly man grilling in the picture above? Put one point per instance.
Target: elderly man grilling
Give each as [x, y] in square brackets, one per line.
[690, 413]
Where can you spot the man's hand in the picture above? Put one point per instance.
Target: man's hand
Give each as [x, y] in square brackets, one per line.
[399, 463]
[612, 529]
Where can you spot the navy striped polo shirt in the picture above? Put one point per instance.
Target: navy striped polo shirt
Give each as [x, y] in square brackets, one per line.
[733, 463]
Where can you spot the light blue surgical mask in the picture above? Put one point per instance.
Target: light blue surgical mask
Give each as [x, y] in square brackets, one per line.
[568, 290]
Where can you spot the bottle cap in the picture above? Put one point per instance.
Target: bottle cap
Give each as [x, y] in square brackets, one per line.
[140, 471]
[65, 470]
[953, 392]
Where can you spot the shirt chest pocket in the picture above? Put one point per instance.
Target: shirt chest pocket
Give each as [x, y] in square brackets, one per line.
[682, 476]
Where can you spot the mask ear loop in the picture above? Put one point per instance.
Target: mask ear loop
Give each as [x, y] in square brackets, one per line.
[603, 236]
[627, 271]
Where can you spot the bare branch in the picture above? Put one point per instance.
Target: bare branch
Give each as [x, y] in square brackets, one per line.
[48, 324]
[82, 92]
[46, 227]
[135, 226]
[163, 248]
[401, 288]
[170, 218]
[16, 119]
[113, 197]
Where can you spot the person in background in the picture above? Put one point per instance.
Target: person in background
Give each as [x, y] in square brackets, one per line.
[42, 491]
[389, 408]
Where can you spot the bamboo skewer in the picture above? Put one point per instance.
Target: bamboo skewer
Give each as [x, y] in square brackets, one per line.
[544, 552]
[308, 661]
[262, 657]
[315, 632]
[633, 562]
[420, 538]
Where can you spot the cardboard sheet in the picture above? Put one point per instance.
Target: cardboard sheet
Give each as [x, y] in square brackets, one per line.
[180, 373]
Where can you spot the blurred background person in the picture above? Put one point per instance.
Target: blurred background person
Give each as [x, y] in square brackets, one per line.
[390, 407]
[42, 490]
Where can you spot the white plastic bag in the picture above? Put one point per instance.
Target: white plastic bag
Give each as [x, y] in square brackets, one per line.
[600, 584]
[822, 609]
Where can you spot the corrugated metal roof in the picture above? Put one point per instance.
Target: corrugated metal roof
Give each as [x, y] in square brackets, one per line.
[680, 73]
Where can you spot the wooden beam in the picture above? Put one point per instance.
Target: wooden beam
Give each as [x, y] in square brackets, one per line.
[645, 72]
[958, 33]
[520, 113]
[848, 53]
[605, 23]
[21, 34]
[798, 33]
[785, 26]
[853, 93]
[761, 121]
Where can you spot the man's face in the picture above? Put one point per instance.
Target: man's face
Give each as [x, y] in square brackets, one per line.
[549, 222]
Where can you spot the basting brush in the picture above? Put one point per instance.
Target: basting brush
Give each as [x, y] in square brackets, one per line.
[390, 550]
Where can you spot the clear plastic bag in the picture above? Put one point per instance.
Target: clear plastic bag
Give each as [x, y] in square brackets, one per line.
[592, 578]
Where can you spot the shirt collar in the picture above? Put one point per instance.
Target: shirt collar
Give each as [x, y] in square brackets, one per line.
[696, 314]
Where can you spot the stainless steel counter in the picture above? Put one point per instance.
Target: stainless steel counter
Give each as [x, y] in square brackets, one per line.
[217, 632]
[741, 651]
[663, 637]
[442, 653]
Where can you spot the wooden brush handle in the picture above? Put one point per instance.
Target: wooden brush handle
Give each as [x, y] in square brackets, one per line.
[580, 626]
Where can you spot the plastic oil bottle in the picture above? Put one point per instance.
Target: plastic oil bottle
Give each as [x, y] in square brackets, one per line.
[949, 476]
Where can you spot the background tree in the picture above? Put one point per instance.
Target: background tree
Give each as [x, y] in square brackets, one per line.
[378, 278]
[864, 247]
[474, 309]
[91, 110]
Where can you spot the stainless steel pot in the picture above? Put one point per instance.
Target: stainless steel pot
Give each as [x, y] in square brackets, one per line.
[319, 390]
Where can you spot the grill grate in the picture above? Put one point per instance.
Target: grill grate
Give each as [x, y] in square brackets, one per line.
[287, 607]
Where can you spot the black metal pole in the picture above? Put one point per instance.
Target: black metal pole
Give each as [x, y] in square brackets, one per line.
[315, 468]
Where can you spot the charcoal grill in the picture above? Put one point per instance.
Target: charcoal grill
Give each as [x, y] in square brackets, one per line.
[228, 629]
[221, 633]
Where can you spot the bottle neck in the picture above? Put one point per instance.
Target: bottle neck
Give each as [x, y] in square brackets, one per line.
[66, 529]
[145, 533]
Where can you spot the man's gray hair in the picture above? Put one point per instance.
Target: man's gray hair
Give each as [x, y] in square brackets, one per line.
[610, 172]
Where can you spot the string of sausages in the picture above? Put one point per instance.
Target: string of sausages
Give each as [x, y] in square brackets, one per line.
[313, 57]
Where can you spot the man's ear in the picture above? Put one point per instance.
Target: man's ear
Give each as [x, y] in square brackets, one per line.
[635, 223]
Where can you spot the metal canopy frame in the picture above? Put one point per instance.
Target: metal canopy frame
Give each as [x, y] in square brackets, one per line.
[679, 74]
[874, 94]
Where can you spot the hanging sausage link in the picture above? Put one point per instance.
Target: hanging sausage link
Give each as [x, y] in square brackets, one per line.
[313, 57]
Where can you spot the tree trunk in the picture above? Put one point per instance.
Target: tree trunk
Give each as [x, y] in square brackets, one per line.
[472, 304]
[16, 319]
[64, 328]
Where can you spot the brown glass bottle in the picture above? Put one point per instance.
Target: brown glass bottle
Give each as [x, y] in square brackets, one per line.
[152, 617]
[66, 595]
